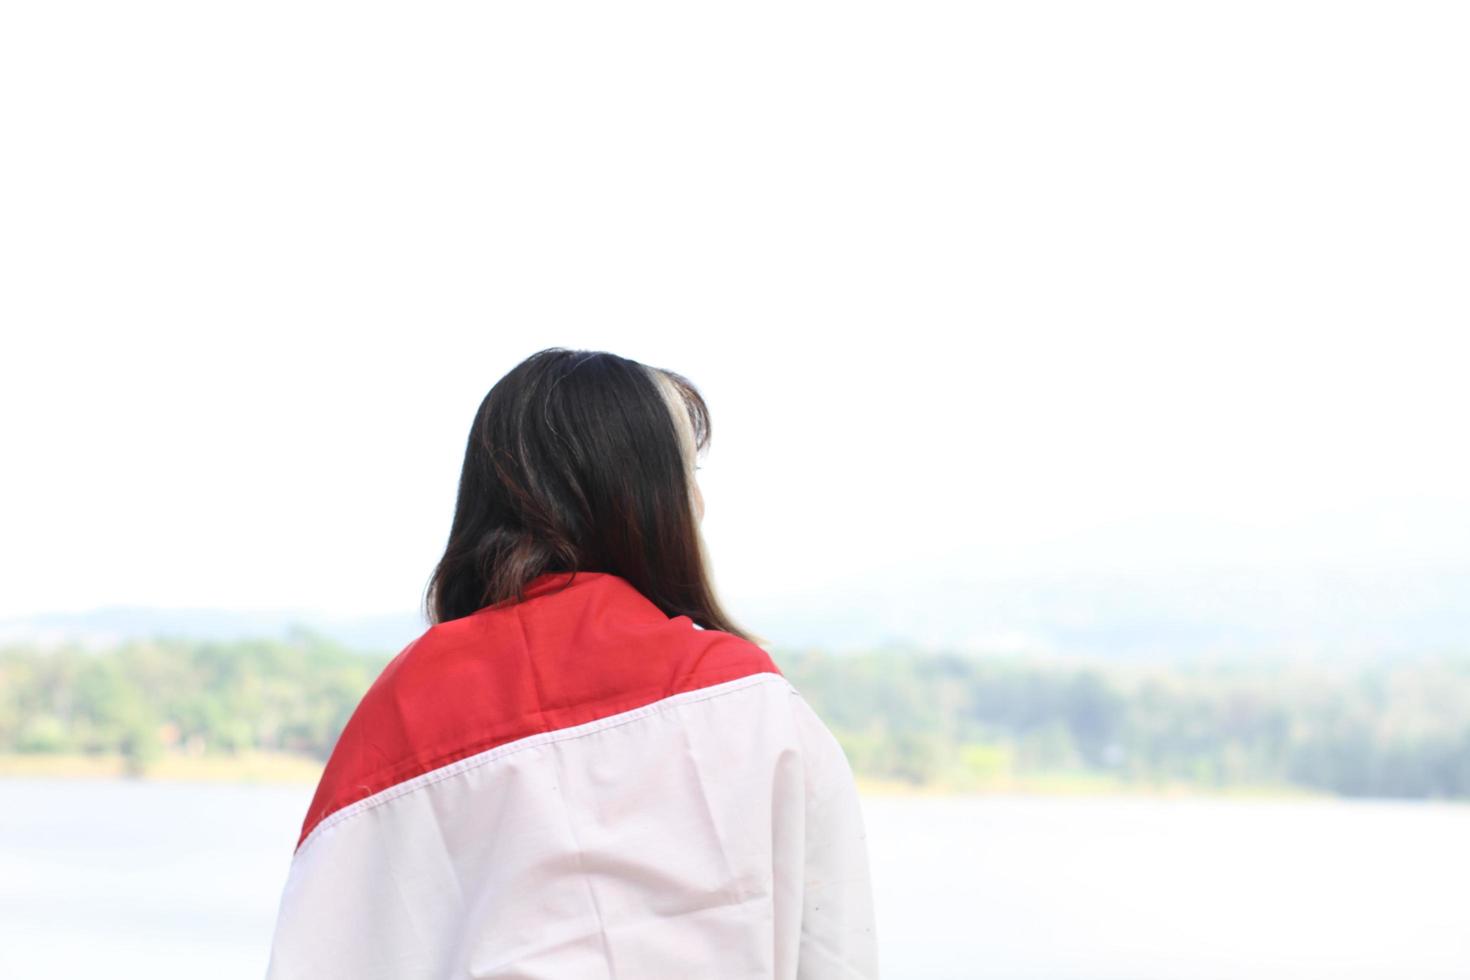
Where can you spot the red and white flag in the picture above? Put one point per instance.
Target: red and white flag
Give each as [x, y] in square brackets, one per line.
[579, 786]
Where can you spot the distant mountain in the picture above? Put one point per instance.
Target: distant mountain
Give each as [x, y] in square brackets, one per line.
[1186, 614]
[1221, 613]
[388, 632]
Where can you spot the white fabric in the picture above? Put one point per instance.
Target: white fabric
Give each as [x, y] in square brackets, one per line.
[715, 833]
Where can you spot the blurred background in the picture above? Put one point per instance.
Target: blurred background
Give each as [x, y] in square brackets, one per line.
[1088, 385]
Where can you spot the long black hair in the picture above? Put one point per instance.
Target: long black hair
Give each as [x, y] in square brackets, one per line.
[577, 461]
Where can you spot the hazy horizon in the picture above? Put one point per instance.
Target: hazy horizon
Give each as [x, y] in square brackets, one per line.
[1230, 613]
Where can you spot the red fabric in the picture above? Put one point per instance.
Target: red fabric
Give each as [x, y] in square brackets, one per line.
[564, 657]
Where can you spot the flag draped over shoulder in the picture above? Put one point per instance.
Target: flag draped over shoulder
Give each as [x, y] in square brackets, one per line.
[579, 786]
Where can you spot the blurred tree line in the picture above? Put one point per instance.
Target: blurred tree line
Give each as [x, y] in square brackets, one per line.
[1390, 729]
[964, 723]
[143, 698]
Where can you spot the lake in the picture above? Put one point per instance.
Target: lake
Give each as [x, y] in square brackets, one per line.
[113, 878]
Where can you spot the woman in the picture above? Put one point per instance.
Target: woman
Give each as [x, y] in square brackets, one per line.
[582, 768]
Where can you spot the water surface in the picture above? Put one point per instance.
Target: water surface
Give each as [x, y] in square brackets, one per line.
[115, 878]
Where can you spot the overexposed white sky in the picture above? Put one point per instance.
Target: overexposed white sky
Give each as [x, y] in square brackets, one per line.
[987, 289]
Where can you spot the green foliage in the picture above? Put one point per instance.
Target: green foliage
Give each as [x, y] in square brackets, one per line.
[144, 697]
[1394, 729]
[1400, 729]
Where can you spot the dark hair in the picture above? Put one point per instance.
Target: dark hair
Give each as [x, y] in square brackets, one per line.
[575, 463]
